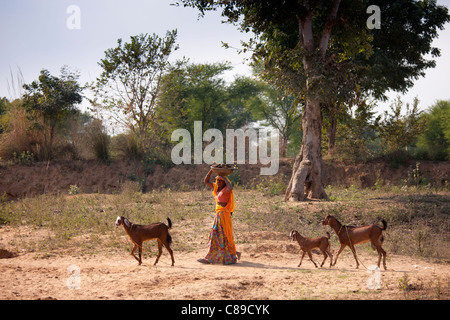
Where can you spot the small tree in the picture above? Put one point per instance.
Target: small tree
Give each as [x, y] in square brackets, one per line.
[435, 139]
[130, 84]
[50, 100]
[398, 131]
[356, 133]
[278, 110]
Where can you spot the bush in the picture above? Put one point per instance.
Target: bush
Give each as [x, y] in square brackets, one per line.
[126, 146]
[271, 185]
[99, 141]
[398, 131]
[16, 130]
[74, 189]
[434, 142]
[25, 158]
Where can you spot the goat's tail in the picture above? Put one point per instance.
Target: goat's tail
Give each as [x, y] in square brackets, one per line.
[169, 225]
[328, 235]
[384, 225]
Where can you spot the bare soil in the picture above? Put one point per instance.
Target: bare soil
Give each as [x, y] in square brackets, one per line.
[267, 270]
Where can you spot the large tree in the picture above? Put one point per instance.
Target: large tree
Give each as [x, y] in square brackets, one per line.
[313, 47]
[198, 92]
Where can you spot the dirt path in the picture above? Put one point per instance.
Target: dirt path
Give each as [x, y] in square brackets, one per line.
[261, 274]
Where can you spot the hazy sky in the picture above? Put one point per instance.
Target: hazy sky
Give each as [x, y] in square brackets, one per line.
[34, 36]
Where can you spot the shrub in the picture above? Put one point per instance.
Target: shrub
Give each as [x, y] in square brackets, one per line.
[99, 141]
[434, 142]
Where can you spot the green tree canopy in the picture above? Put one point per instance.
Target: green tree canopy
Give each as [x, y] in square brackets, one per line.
[50, 100]
[435, 138]
[397, 131]
[198, 92]
[130, 84]
[319, 50]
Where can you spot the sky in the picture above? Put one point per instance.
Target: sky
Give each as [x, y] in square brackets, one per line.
[35, 35]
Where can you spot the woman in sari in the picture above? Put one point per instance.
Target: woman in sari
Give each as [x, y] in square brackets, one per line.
[221, 245]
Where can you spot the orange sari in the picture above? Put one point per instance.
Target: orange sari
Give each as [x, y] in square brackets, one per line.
[225, 215]
[221, 244]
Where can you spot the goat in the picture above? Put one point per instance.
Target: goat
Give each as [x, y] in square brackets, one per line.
[351, 236]
[139, 233]
[307, 244]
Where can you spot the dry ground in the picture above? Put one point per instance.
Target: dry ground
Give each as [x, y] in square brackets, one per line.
[41, 238]
[267, 270]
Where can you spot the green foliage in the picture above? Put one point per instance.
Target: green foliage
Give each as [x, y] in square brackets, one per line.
[271, 185]
[277, 110]
[434, 141]
[397, 131]
[130, 84]
[391, 57]
[53, 97]
[50, 100]
[356, 134]
[74, 189]
[98, 140]
[3, 108]
[197, 92]
[402, 47]
[26, 158]
[235, 177]
[126, 146]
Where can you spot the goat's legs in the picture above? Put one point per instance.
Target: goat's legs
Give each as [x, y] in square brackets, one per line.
[310, 257]
[159, 252]
[301, 259]
[132, 253]
[331, 257]
[381, 252]
[339, 252]
[140, 254]
[352, 247]
[170, 251]
[325, 254]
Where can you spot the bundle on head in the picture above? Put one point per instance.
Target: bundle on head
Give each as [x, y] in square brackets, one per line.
[141, 233]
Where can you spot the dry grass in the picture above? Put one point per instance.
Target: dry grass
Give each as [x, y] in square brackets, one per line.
[418, 220]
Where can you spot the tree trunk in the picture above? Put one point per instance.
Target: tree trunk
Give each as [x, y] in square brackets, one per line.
[332, 136]
[283, 145]
[306, 180]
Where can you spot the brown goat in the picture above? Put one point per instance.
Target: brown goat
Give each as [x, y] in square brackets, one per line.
[351, 236]
[139, 233]
[307, 244]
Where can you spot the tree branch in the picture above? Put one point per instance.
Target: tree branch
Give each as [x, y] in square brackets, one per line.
[326, 33]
